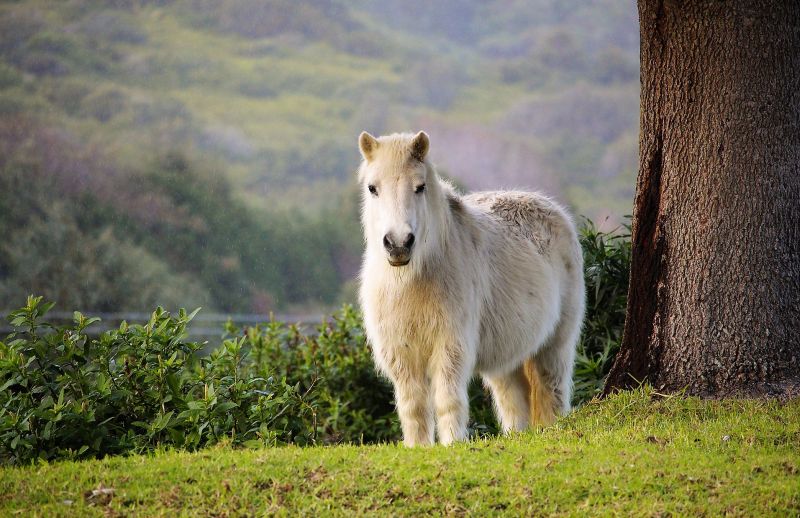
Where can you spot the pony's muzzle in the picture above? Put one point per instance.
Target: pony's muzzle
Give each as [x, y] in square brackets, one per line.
[399, 255]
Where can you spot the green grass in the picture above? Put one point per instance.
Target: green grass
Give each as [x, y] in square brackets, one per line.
[634, 454]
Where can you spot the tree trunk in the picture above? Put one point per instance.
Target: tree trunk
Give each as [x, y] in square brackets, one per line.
[714, 295]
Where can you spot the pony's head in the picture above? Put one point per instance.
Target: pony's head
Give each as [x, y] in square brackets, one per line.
[401, 194]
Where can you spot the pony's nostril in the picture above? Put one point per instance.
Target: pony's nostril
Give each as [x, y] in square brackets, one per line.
[409, 241]
[387, 243]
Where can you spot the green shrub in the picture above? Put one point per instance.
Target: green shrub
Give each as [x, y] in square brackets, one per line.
[64, 394]
[607, 260]
[352, 402]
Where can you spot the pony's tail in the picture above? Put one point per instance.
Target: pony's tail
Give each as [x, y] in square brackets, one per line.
[541, 398]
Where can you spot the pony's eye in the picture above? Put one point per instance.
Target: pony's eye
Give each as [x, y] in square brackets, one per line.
[372, 190]
[420, 188]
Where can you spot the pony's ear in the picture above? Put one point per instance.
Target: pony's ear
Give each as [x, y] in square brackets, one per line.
[420, 146]
[367, 144]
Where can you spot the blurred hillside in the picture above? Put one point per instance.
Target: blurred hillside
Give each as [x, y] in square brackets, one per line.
[201, 152]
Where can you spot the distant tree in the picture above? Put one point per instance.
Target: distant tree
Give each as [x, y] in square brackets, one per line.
[53, 256]
[714, 298]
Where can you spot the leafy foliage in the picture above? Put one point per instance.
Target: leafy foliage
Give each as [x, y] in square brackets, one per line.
[607, 260]
[68, 395]
[351, 402]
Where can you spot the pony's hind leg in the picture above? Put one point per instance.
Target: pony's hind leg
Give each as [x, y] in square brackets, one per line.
[550, 369]
[549, 372]
[510, 394]
[545, 400]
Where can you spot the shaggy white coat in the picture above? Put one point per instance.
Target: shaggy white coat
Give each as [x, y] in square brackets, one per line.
[494, 286]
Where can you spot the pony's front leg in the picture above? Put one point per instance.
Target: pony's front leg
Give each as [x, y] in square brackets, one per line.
[450, 381]
[412, 396]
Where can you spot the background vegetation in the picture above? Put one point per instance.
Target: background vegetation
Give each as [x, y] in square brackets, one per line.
[195, 152]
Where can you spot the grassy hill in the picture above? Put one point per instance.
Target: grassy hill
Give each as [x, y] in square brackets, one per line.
[261, 102]
[633, 454]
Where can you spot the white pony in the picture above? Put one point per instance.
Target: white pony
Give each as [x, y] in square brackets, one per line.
[489, 283]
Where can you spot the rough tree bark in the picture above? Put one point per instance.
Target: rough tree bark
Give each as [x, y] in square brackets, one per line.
[714, 295]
